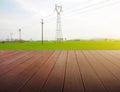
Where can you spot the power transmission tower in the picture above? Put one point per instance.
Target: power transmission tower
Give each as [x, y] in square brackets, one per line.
[19, 34]
[42, 29]
[59, 36]
[11, 34]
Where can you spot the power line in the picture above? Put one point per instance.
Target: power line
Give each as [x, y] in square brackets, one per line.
[87, 8]
[91, 7]
[48, 16]
[84, 10]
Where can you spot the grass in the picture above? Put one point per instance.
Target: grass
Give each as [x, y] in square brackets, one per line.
[73, 45]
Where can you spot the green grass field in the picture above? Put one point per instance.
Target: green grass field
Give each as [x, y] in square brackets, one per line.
[73, 45]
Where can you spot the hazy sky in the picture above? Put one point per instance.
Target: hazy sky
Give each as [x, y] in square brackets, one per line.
[81, 19]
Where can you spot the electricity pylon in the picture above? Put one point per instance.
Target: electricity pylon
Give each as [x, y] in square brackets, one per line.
[19, 34]
[59, 36]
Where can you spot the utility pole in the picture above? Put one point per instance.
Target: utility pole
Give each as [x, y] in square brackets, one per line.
[42, 29]
[19, 34]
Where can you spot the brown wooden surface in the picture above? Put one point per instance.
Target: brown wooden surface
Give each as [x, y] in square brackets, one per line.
[60, 71]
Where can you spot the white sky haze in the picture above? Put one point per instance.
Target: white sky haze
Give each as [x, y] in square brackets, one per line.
[81, 19]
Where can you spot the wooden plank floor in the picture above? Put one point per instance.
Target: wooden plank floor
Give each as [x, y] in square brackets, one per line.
[60, 71]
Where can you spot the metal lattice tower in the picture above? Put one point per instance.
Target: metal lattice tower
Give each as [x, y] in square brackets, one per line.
[59, 36]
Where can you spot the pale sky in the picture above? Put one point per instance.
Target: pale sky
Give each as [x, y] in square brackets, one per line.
[81, 19]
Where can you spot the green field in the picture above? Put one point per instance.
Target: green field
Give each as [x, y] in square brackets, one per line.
[71, 45]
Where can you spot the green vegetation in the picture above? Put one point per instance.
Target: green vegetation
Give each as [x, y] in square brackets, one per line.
[70, 45]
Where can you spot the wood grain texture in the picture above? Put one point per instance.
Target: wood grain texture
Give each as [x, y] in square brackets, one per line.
[60, 71]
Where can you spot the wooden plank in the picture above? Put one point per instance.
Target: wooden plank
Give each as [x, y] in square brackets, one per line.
[9, 54]
[55, 80]
[16, 62]
[14, 80]
[110, 55]
[107, 64]
[12, 57]
[16, 58]
[108, 80]
[91, 80]
[40, 77]
[3, 52]
[49, 71]
[73, 80]
[8, 79]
